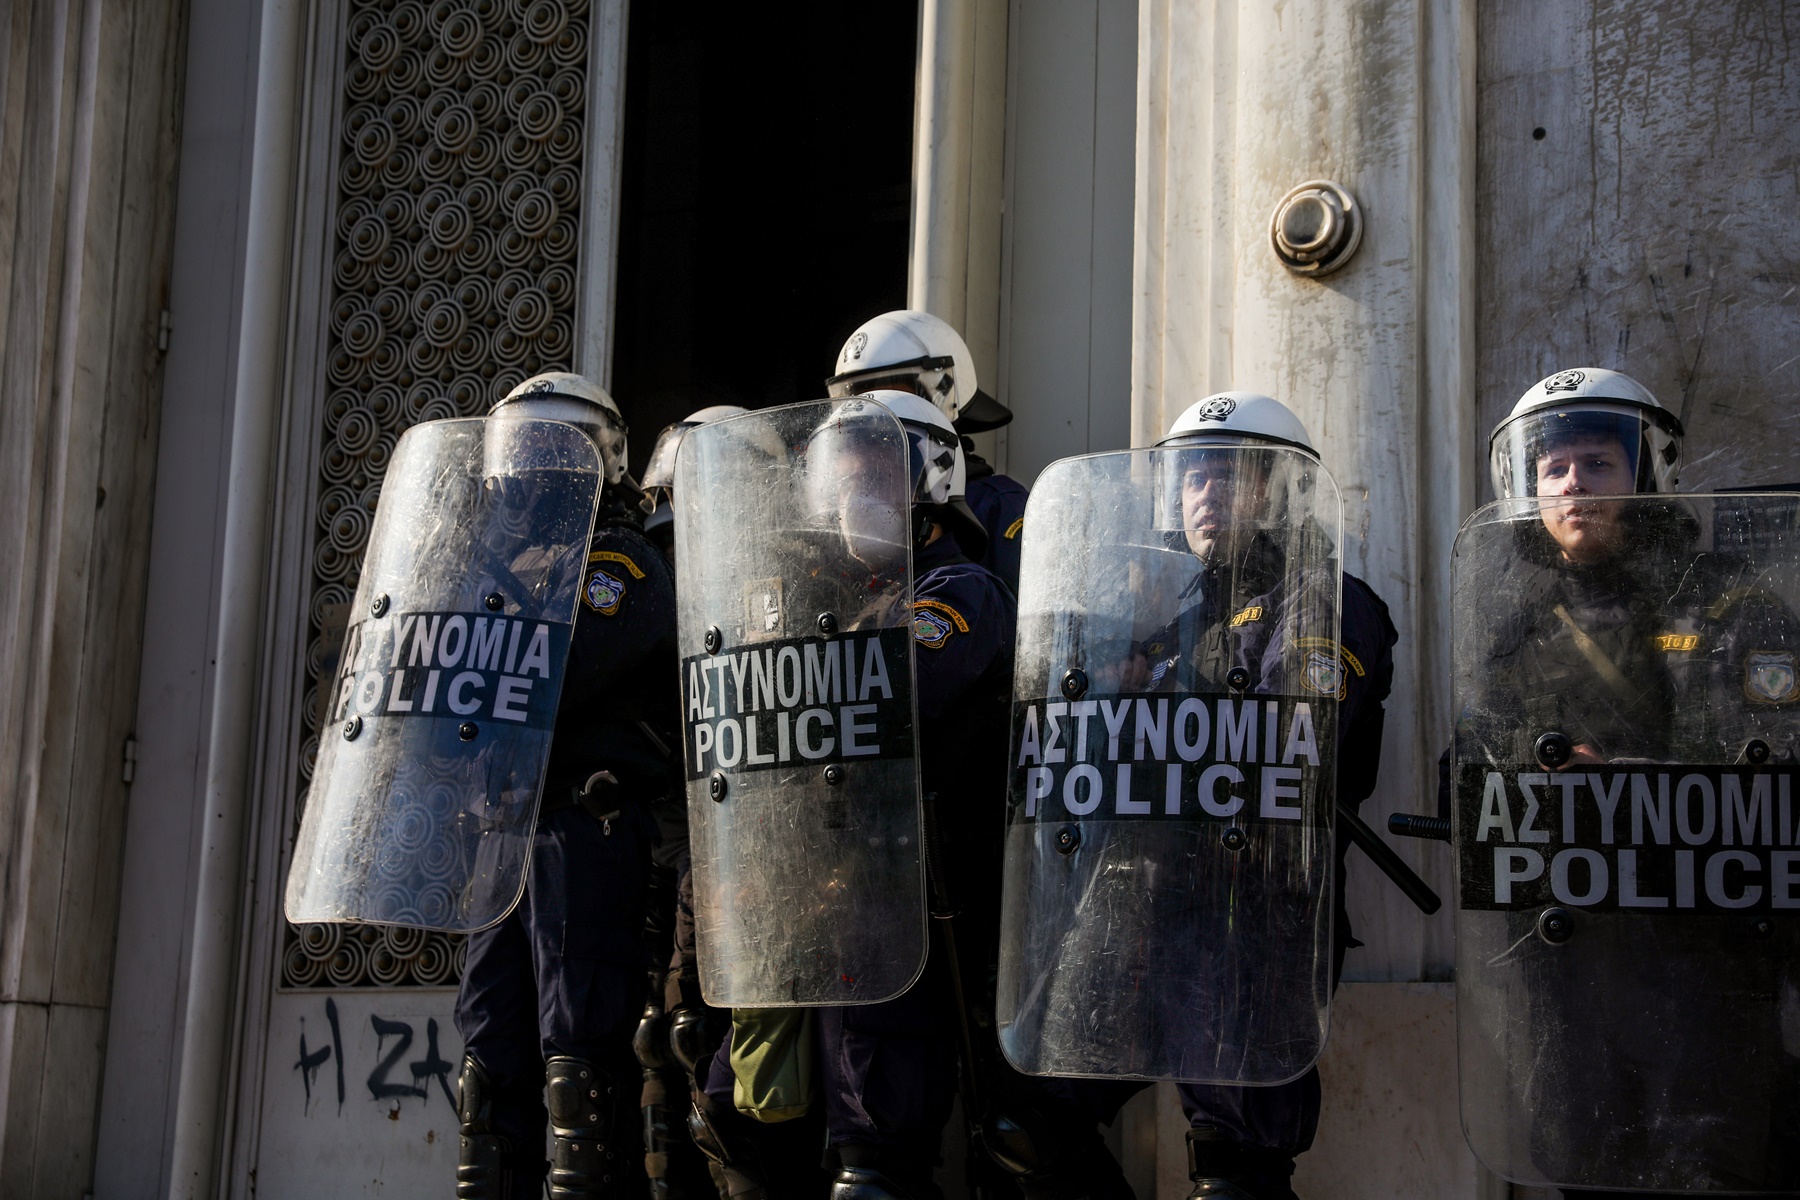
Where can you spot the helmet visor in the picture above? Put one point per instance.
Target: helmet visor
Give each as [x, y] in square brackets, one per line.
[922, 376]
[1585, 449]
[659, 472]
[855, 481]
[607, 432]
[1211, 495]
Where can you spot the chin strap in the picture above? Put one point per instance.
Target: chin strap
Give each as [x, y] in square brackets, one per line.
[922, 524]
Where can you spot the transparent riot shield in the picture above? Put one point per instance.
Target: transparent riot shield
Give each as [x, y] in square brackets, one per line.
[425, 794]
[793, 538]
[1169, 856]
[1628, 867]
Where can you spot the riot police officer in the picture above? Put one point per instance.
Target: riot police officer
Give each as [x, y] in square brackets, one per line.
[552, 993]
[677, 1027]
[1241, 561]
[917, 352]
[1610, 633]
[886, 1072]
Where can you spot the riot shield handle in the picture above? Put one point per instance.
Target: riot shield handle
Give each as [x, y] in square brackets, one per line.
[1391, 864]
[1413, 825]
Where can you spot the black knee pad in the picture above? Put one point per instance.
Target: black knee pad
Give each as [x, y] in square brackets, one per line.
[650, 1041]
[588, 1158]
[687, 1037]
[481, 1170]
[736, 1168]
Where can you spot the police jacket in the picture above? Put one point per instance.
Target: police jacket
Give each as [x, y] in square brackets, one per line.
[998, 501]
[1663, 652]
[1242, 618]
[964, 621]
[620, 693]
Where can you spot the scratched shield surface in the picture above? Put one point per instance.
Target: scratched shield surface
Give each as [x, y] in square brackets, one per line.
[1168, 878]
[793, 547]
[1627, 867]
[424, 799]
[359, 1094]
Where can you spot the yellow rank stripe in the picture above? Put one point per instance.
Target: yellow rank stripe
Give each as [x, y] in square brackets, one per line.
[956, 618]
[1012, 531]
[615, 556]
[1337, 648]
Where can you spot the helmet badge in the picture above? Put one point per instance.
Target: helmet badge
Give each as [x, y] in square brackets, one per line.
[1218, 408]
[1564, 381]
[859, 342]
[540, 385]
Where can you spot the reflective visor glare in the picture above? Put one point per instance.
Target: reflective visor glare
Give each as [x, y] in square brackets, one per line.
[859, 384]
[1210, 487]
[843, 464]
[660, 471]
[1586, 452]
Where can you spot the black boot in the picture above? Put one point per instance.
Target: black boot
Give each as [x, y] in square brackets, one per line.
[878, 1173]
[1227, 1170]
[1053, 1153]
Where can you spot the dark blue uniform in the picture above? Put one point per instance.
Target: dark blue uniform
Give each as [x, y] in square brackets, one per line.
[563, 974]
[888, 1071]
[998, 501]
[1266, 1125]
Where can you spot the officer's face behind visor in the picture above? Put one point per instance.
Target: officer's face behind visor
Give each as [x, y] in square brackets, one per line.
[1223, 489]
[854, 481]
[1583, 462]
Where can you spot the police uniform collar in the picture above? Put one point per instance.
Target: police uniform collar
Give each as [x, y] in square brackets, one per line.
[976, 466]
[941, 553]
[615, 511]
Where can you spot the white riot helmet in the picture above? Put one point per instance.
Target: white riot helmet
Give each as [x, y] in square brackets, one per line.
[1231, 418]
[574, 400]
[916, 352]
[1235, 445]
[1588, 403]
[934, 463]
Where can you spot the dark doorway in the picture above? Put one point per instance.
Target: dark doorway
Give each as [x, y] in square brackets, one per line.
[766, 180]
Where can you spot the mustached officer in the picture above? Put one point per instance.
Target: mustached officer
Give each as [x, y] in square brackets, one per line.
[551, 995]
[1170, 906]
[916, 352]
[1621, 934]
[863, 582]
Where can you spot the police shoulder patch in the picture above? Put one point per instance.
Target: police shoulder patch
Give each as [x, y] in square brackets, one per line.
[1012, 531]
[615, 556]
[1328, 666]
[604, 592]
[934, 622]
[1770, 676]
